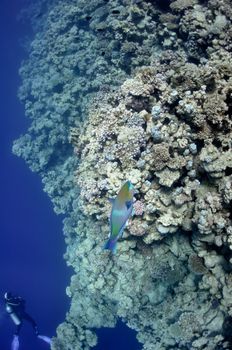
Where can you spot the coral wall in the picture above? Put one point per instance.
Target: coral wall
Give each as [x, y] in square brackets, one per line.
[143, 91]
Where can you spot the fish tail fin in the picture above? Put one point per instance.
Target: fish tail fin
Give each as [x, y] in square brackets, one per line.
[45, 338]
[110, 245]
[15, 343]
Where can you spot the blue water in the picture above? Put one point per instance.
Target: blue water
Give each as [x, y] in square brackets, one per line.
[32, 244]
[119, 338]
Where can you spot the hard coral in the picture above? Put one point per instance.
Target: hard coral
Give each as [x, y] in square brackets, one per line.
[143, 94]
[169, 176]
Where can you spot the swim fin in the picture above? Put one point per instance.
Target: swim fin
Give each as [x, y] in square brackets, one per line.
[15, 343]
[45, 338]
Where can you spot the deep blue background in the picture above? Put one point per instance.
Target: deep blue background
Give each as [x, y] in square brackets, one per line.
[31, 240]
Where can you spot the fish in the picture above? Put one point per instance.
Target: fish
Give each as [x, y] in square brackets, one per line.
[122, 208]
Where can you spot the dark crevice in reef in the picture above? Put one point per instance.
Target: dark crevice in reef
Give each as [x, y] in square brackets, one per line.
[210, 85]
[172, 106]
[230, 210]
[203, 176]
[171, 151]
[193, 60]
[163, 5]
[222, 251]
[58, 88]
[180, 181]
[200, 144]
[217, 143]
[63, 151]
[228, 102]
[228, 171]
[227, 330]
[222, 126]
[225, 148]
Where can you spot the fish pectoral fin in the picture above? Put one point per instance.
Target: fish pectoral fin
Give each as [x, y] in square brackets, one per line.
[129, 204]
[120, 234]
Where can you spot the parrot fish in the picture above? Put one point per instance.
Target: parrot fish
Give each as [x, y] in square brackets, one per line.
[122, 207]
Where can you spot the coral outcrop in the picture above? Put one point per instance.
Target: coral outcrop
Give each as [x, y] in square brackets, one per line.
[180, 181]
[137, 90]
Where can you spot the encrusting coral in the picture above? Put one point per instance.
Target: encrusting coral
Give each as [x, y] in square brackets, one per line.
[143, 91]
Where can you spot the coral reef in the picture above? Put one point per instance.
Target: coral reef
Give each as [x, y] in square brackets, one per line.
[183, 183]
[137, 90]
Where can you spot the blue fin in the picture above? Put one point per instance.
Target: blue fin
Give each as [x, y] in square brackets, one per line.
[129, 204]
[121, 230]
[15, 343]
[111, 200]
[110, 245]
[45, 338]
